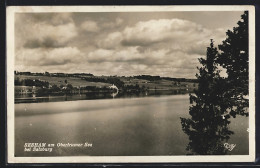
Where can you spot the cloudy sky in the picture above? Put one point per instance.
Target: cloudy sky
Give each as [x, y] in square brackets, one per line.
[153, 43]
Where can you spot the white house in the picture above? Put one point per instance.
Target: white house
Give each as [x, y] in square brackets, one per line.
[113, 87]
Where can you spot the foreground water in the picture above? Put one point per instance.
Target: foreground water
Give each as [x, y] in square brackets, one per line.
[115, 127]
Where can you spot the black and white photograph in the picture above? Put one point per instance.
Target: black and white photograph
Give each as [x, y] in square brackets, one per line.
[130, 84]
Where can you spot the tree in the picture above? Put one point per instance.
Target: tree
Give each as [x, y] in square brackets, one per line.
[208, 78]
[55, 88]
[206, 128]
[69, 86]
[234, 58]
[218, 98]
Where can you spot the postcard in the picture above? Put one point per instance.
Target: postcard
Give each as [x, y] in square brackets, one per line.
[130, 84]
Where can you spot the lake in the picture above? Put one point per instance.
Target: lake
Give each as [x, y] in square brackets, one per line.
[129, 126]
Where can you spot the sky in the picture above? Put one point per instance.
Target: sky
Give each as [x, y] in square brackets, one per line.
[118, 43]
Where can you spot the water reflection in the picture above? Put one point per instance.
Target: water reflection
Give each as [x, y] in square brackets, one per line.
[37, 98]
[114, 94]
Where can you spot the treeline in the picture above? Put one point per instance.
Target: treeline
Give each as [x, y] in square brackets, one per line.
[148, 77]
[156, 78]
[180, 79]
[53, 74]
[30, 82]
[69, 89]
[134, 88]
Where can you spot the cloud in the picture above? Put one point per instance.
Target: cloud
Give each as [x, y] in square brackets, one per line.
[61, 19]
[46, 57]
[90, 26]
[34, 31]
[161, 46]
[119, 21]
[104, 55]
[47, 42]
[54, 19]
[112, 43]
[180, 34]
[162, 30]
[50, 36]
[61, 33]
[112, 24]
[158, 58]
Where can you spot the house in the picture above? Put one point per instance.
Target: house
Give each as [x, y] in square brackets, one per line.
[113, 87]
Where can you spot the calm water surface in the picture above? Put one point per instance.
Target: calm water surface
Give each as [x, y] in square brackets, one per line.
[116, 127]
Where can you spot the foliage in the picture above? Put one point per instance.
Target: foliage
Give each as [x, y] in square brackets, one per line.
[148, 77]
[207, 128]
[234, 58]
[134, 88]
[30, 82]
[55, 88]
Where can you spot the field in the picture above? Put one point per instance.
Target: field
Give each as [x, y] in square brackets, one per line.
[160, 84]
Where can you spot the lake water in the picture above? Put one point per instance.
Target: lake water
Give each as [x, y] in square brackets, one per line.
[37, 98]
[142, 126]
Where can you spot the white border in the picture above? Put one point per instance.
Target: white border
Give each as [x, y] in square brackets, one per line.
[125, 159]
